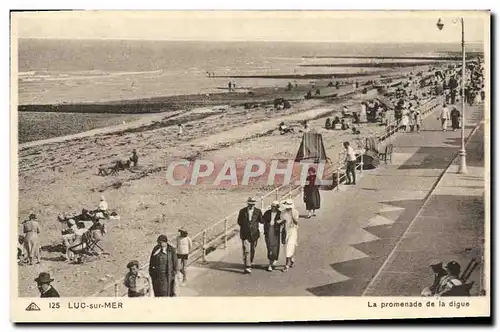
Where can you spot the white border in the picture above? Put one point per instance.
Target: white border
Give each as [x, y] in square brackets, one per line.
[185, 4]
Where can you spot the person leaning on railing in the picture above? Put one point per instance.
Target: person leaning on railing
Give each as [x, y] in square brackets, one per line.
[350, 164]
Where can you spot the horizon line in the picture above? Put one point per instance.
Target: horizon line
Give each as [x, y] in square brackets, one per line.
[251, 41]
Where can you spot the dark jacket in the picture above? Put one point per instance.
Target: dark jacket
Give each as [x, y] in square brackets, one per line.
[52, 292]
[437, 280]
[266, 219]
[249, 229]
[154, 263]
[163, 271]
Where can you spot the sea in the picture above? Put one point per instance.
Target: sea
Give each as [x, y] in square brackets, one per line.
[85, 71]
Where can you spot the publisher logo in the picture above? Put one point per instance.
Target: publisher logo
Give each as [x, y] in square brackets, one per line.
[32, 307]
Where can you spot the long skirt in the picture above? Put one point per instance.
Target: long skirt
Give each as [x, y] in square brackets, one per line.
[273, 244]
[454, 122]
[292, 235]
[312, 198]
[444, 124]
[32, 245]
[163, 286]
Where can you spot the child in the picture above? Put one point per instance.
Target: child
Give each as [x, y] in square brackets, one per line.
[137, 282]
[184, 246]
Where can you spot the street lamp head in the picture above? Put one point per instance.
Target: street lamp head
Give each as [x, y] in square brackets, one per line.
[440, 24]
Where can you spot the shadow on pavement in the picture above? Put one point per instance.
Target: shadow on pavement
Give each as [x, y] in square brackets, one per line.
[231, 267]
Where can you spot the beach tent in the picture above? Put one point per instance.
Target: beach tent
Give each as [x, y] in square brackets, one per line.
[311, 148]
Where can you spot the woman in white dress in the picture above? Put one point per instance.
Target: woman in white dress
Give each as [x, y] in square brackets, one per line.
[405, 120]
[362, 113]
[290, 216]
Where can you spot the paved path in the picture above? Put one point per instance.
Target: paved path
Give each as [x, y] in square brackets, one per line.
[345, 246]
[450, 226]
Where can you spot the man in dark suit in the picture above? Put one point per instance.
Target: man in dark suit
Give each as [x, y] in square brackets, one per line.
[46, 289]
[272, 233]
[248, 220]
[163, 268]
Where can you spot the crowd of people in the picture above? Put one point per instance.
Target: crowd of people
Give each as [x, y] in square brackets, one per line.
[74, 230]
[280, 223]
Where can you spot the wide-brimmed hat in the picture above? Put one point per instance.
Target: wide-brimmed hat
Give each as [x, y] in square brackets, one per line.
[251, 200]
[182, 230]
[133, 263]
[275, 203]
[162, 238]
[287, 203]
[435, 262]
[43, 278]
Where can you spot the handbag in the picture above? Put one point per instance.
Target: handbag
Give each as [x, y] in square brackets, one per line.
[283, 235]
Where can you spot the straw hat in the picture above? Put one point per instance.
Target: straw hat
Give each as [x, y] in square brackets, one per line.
[251, 200]
[275, 203]
[288, 203]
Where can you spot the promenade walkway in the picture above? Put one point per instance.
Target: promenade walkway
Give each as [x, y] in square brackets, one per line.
[349, 248]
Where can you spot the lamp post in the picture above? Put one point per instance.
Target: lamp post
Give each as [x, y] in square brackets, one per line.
[462, 169]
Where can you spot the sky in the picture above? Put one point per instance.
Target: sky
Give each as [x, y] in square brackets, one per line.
[319, 26]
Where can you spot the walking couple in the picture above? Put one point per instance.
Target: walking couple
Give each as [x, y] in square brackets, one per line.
[280, 227]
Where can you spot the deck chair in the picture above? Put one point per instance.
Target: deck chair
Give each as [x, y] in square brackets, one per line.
[387, 154]
[462, 290]
[473, 264]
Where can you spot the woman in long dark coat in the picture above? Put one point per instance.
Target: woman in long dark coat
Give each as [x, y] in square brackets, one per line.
[455, 119]
[163, 268]
[311, 193]
[272, 233]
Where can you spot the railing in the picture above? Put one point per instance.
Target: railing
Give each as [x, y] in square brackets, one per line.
[220, 232]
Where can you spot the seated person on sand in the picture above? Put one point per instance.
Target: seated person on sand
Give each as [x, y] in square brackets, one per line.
[345, 112]
[355, 131]
[98, 224]
[20, 250]
[328, 123]
[344, 125]
[84, 216]
[356, 117]
[71, 227]
[284, 129]
[103, 206]
[335, 122]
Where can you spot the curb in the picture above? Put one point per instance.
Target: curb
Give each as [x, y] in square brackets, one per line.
[426, 200]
